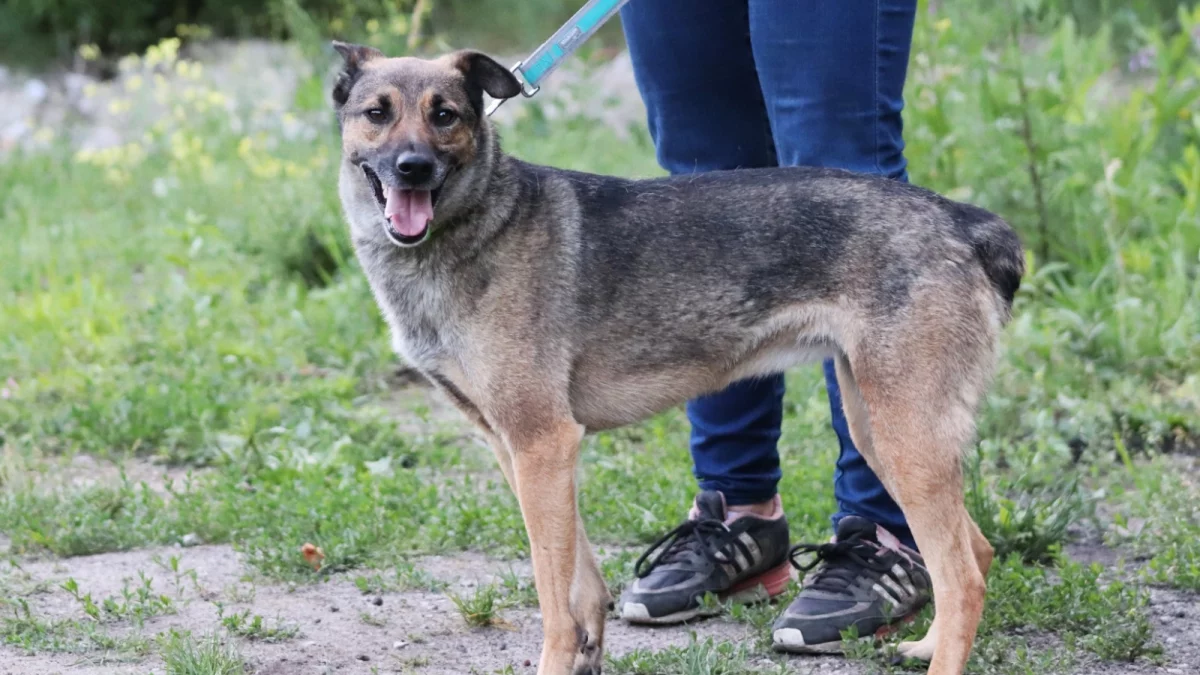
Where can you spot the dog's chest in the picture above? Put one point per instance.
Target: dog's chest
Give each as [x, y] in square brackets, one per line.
[420, 319]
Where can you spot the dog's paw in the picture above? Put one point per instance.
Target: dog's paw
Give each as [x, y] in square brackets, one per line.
[590, 658]
[922, 650]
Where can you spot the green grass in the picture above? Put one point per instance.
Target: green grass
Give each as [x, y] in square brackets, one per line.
[255, 627]
[185, 654]
[700, 657]
[197, 303]
[482, 607]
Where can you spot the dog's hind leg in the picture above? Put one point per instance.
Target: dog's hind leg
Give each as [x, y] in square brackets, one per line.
[916, 427]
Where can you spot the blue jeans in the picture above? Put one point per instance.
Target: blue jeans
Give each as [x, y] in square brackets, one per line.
[753, 83]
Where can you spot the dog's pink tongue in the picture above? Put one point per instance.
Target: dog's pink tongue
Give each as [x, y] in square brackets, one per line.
[409, 211]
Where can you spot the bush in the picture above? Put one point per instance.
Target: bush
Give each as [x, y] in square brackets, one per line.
[32, 30]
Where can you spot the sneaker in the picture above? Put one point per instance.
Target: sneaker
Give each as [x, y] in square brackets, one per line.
[864, 579]
[738, 557]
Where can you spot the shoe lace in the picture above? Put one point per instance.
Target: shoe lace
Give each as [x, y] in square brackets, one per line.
[840, 562]
[706, 536]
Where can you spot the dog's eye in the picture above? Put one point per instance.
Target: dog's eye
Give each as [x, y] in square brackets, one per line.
[444, 117]
[376, 115]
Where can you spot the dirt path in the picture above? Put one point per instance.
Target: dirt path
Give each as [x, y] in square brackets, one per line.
[340, 628]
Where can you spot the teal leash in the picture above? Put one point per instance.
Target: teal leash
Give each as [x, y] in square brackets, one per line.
[547, 58]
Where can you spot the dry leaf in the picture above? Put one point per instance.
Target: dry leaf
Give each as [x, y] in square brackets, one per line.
[313, 555]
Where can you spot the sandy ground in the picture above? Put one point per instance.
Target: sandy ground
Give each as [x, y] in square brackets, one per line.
[408, 631]
[412, 629]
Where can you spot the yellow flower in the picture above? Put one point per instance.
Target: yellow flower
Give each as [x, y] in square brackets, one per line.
[400, 25]
[942, 25]
[373, 26]
[133, 83]
[89, 52]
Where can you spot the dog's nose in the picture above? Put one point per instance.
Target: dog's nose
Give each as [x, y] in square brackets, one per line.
[414, 167]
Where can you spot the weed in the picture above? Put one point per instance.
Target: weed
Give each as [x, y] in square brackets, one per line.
[254, 627]
[699, 657]
[372, 620]
[481, 608]
[135, 604]
[34, 635]
[519, 591]
[184, 654]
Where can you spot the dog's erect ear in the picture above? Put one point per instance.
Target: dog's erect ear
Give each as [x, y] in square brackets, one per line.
[354, 57]
[484, 74]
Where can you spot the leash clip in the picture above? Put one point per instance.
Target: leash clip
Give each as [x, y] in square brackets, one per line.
[527, 90]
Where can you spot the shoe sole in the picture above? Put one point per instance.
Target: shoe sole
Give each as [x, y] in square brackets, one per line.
[754, 590]
[791, 640]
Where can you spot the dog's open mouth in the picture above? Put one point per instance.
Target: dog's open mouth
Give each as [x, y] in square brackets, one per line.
[408, 213]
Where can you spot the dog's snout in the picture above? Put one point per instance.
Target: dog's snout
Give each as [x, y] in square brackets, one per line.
[415, 167]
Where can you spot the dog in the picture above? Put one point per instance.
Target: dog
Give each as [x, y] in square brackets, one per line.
[546, 304]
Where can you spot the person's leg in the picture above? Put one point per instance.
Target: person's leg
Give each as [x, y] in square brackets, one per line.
[832, 75]
[696, 73]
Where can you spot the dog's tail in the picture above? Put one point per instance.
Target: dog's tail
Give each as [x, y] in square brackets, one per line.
[998, 248]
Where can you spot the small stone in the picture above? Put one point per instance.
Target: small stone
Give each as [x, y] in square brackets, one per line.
[377, 601]
[527, 663]
[317, 620]
[503, 646]
[334, 608]
[363, 657]
[399, 644]
[190, 539]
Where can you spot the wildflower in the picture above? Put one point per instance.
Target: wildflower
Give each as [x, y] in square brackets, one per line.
[89, 52]
[942, 25]
[373, 26]
[133, 83]
[1143, 59]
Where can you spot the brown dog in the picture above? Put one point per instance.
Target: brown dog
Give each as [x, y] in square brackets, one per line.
[548, 303]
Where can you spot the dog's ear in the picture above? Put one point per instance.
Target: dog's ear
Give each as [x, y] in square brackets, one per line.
[353, 56]
[484, 74]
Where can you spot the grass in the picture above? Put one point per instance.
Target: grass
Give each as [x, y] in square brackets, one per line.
[699, 657]
[194, 302]
[482, 607]
[244, 624]
[185, 654]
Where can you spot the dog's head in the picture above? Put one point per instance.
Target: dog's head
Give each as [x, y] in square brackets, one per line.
[411, 131]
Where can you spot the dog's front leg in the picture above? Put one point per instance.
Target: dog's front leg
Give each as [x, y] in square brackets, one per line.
[544, 468]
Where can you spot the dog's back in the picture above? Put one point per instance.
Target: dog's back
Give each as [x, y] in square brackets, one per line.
[692, 278]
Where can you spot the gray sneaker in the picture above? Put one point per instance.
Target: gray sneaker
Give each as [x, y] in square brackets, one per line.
[857, 583]
[743, 559]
